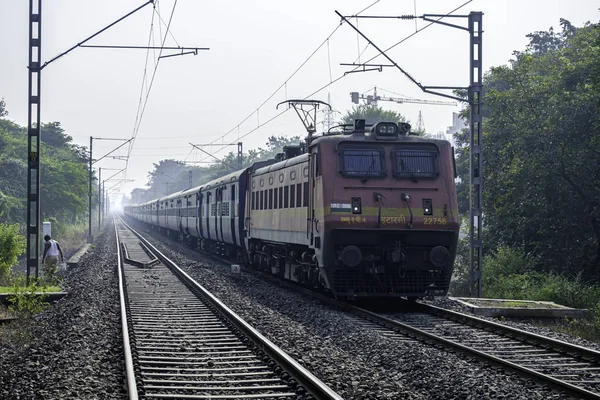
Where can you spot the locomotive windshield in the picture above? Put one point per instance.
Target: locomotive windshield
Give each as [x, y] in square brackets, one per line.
[362, 162]
[416, 163]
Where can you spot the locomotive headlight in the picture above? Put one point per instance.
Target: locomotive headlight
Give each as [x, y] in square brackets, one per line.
[356, 205]
[427, 207]
[386, 129]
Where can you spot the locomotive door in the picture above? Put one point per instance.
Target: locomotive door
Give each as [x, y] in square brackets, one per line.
[310, 210]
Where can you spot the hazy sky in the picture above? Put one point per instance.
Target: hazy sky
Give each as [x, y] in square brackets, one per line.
[255, 47]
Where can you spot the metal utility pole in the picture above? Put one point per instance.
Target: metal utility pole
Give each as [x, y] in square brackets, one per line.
[475, 93]
[240, 147]
[33, 136]
[90, 238]
[35, 67]
[475, 154]
[99, 198]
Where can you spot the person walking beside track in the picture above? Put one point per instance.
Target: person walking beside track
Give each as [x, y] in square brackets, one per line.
[50, 258]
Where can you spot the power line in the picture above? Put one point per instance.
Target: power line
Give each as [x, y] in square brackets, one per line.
[284, 85]
[149, 87]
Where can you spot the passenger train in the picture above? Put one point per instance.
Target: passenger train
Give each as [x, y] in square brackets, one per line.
[363, 212]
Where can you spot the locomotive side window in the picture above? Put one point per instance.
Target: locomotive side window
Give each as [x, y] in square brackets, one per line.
[362, 162]
[420, 162]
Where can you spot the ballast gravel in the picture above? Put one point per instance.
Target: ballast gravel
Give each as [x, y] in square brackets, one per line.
[526, 324]
[357, 361]
[74, 349]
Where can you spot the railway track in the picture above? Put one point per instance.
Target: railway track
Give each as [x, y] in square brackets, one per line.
[182, 342]
[564, 366]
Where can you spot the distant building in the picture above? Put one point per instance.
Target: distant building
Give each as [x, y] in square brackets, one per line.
[458, 124]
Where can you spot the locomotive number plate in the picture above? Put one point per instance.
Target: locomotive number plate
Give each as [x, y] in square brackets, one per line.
[435, 221]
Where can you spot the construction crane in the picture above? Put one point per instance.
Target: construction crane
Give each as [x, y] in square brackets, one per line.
[373, 99]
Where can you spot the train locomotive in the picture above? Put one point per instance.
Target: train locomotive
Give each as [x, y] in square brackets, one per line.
[363, 212]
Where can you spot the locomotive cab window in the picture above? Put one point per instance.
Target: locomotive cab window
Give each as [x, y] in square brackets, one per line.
[415, 163]
[362, 162]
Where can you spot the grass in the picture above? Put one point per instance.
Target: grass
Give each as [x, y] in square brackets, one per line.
[44, 289]
[509, 303]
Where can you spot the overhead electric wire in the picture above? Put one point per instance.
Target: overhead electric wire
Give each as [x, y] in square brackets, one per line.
[342, 76]
[148, 87]
[284, 85]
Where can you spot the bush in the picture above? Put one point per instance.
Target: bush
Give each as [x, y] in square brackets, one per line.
[24, 300]
[12, 245]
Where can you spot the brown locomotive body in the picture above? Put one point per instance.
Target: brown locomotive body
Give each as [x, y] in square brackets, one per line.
[364, 214]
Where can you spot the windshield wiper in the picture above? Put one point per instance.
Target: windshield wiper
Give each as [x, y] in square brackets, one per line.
[364, 179]
[405, 168]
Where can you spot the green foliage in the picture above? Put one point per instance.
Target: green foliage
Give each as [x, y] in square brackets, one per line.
[26, 301]
[64, 174]
[3, 112]
[371, 114]
[12, 245]
[541, 138]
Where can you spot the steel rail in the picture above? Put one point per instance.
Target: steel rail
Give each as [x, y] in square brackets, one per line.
[517, 334]
[305, 378]
[540, 377]
[531, 338]
[129, 372]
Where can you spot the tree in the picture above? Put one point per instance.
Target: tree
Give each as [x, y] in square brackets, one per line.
[541, 139]
[371, 114]
[3, 112]
[12, 245]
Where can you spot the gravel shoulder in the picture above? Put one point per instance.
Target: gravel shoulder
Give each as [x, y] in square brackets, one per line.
[73, 350]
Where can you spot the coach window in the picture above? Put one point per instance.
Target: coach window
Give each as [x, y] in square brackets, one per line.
[305, 194]
[281, 197]
[286, 196]
[299, 195]
[262, 193]
[275, 202]
[232, 192]
[361, 162]
[292, 196]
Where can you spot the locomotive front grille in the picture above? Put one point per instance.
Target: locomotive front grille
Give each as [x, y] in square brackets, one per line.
[349, 283]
